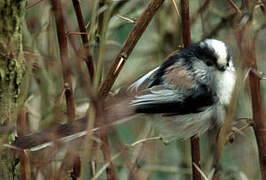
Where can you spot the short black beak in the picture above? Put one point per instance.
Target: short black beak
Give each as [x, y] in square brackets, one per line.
[222, 68]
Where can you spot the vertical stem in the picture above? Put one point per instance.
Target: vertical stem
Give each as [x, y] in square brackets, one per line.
[195, 148]
[185, 23]
[22, 129]
[246, 42]
[247, 48]
[133, 37]
[84, 37]
[62, 40]
[101, 17]
[258, 117]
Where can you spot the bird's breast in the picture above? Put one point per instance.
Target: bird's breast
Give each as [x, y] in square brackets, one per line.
[225, 83]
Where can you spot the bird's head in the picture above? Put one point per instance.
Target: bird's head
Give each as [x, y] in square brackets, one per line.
[215, 53]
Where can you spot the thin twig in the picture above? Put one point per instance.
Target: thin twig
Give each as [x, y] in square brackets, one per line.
[126, 19]
[62, 39]
[176, 8]
[106, 165]
[200, 171]
[84, 37]
[34, 4]
[142, 141]
[240, 130]
[259, 74]
[195, 149]
[231, 2]
[131, 41]
[75, 33]
[127, 147]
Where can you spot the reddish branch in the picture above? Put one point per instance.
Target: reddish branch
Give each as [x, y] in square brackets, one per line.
[185, 23]
[236, 8]
[34, 4]
[84, 37]
[246, 42]
[22, 129]
[195, 149]
[128, 46]
[131, 41]
[62, 41]
[110, 170]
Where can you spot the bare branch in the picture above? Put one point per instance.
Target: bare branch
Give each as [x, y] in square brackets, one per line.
[133, 37]
[126, 19]
[34, 4]
[84, 37]
[176, 8]
[195, 149]
[236, 8]
[61, 34]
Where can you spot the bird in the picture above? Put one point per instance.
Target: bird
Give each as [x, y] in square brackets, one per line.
[184, 97]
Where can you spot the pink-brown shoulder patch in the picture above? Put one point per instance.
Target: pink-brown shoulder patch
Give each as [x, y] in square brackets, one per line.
[178, 76]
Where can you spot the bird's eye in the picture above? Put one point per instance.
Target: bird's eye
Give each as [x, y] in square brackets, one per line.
[209, 63]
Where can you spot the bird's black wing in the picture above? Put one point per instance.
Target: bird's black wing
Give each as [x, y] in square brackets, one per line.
[173, 90]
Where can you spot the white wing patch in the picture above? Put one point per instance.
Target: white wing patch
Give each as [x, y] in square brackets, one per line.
[135, 86]
[157, 96]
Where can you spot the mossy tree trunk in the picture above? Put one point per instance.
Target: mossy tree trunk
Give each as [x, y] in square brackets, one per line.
[12, 70]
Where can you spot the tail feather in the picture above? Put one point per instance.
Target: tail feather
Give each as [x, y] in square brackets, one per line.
[40, 138]
[69, 132]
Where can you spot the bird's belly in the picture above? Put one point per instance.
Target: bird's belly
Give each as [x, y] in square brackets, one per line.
[185, 126]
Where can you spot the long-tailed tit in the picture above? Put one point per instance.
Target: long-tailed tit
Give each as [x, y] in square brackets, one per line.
[188, 93]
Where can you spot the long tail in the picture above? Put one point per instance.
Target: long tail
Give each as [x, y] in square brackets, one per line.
[64, 133]
[60, 135]
[117, 112]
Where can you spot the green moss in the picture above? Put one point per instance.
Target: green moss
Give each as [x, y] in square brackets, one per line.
[12, 70]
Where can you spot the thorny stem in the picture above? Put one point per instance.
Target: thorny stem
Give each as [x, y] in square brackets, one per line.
[62, 41]
[195, 149]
